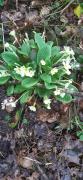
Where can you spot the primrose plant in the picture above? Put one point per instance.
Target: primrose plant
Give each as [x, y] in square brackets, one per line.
[37, 68]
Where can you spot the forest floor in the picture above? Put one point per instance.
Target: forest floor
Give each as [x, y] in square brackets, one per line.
[40, 147]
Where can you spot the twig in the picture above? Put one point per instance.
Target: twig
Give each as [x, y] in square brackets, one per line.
[17, 5]
[34, 160]
[3, 36]
[67, 6]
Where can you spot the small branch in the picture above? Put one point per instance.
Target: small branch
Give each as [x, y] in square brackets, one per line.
[34, 160]
[67, 6]
[3, 36]
[17, 5]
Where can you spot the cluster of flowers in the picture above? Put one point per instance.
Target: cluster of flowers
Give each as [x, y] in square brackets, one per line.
[24, 71]
[67, 57]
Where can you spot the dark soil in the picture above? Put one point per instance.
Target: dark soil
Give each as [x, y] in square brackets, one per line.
[39, 150]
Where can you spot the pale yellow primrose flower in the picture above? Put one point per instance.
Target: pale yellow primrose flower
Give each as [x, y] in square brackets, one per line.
[69, 51]
[57, 92]
[53, 71]
[67, 67]
[23, 71]
[48, 106]
[42, 62]
[47, 101]
[32, 108]
[17, 69]
[29, 72]
[62, 94]
[4, 73]
[67, 84]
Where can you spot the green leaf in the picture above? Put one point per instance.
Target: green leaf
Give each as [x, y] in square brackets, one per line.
[56, 55]
[29, 82]
[25, 48]
[50, 86]
[81, 137]
[39, 40]
[80, 59]
[1, 2]
[17, 118]
[50, 43]
[59, 75]
[25, 121]
[32, 44]
[3, 80]
[55, 51]
[11, 48]
[19, 89]
[45, 77]
[10, 58]
[66, 99]
[44, 53]
[72, 89]
[42, 92]
[25, 96]
[10, 90]
[78, 10]
[16, 76]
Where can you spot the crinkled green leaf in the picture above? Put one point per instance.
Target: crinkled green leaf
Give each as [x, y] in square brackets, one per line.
[10, 58]
[42, 92]
[25, 96]
[19, 89]
[32, 44]
[16, 76]
[55, 51]
[29, 82]
[10, 90]
[59, 75]
[1, 2]
[44, 53]
[50, 43]
[72, 89]
[4, 80]
[66, 99]
[11, 48]
[46, 77]
[39, 40]
[25, 48]
[50, 86]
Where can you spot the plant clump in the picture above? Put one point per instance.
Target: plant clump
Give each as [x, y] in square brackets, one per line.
[38, 69]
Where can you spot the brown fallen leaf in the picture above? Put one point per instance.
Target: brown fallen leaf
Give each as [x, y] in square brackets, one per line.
[25, 162]
[47, 116]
